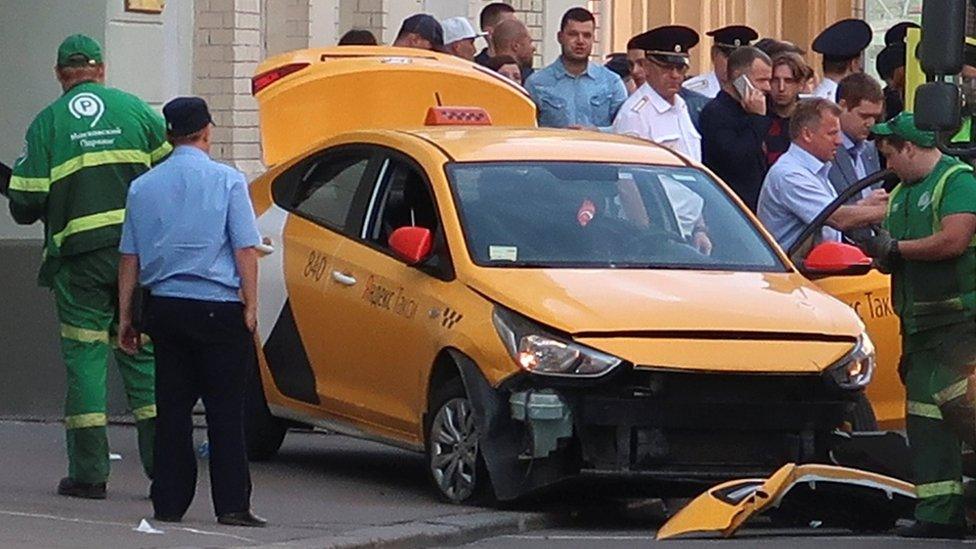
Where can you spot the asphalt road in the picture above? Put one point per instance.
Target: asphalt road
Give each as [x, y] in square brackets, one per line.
[611, 538]
[328, 491]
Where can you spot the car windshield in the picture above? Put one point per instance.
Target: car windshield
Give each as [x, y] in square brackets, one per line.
[598, 215]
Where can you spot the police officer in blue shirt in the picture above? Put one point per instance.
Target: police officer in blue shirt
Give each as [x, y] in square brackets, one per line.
[189, 237]
[573, 92]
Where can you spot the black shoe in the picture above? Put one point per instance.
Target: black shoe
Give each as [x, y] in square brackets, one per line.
[167, 518]
[75, 489]
[931, 530]
[244, 518]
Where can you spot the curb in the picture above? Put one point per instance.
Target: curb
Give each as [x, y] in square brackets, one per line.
[446, 530]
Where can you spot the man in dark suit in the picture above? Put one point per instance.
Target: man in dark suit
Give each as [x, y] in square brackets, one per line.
[734, 125]
[862, 105]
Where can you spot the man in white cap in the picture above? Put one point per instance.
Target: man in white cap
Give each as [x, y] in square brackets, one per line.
[459, 37]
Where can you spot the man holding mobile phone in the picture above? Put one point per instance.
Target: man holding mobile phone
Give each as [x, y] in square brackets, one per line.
[734, 124]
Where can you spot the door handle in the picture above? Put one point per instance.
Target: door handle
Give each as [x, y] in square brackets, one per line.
[344, 279]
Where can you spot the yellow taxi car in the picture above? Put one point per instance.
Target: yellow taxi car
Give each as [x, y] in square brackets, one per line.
[526, 305]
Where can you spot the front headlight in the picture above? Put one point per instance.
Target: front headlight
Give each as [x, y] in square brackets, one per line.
[537, 351]
[857, 368]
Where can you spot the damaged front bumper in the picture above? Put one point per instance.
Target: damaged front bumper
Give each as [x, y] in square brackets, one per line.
[655, 425]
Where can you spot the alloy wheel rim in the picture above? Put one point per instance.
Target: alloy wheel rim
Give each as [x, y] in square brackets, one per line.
[454, 450]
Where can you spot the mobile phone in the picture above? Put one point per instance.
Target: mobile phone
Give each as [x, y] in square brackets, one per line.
[742, 84]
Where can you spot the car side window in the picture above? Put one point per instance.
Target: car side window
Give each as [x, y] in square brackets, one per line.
[405, 202]
[330, 188]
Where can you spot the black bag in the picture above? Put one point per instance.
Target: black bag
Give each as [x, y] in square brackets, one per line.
[138, 308]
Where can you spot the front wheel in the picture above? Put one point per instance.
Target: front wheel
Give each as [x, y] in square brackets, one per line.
[454, 463]
[862, 417]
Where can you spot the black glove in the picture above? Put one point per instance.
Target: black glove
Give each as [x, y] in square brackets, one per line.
[883, 248]
[5, 173]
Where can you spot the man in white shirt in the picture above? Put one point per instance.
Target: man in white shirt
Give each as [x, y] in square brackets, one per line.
[841, 45]
[655, 111]
[797, 188]
[726, 40]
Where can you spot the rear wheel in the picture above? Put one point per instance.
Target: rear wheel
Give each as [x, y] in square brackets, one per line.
[454, 463]
[263, 433]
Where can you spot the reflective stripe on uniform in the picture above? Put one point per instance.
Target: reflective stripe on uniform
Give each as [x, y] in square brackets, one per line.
[952, 392]
[937, 197]
[83, 334]
[89, 223]
[159, 153]
[939, 489]
[82, 421]
[145, 412]
[100, 158]
[923, 409]
[30, 184]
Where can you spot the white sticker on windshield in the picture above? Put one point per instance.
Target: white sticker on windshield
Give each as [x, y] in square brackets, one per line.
[681, 177]
[503, 253]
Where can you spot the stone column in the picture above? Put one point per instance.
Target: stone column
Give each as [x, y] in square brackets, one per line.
[228, 45]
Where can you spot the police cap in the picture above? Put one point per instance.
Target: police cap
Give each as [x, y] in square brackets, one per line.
[890, 58]
[668, 44]
[186, 115]
[844, 39]
[898, 32]
[732, 37]
[619, 64]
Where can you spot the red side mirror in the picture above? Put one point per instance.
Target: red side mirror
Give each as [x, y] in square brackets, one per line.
[836, 258]
[411, 244]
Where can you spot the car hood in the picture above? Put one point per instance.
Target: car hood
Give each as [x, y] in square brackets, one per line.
[719, 321]
[614, 301]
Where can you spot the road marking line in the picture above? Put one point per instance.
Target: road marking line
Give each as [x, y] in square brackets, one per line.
[122, 524]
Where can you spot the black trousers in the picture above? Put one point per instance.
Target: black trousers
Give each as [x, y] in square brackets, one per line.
[203, 350]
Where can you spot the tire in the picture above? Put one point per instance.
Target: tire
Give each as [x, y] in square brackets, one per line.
[862, 417]
[455, 467]
[263, 433]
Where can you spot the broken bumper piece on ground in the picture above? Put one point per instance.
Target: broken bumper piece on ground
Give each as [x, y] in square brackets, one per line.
[836, 496]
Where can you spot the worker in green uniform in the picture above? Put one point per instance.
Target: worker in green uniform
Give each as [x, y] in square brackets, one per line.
[82, 151]
[928, 246]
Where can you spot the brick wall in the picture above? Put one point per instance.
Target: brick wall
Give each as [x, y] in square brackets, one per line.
[286, 26]
[370, 15]
[227, 48]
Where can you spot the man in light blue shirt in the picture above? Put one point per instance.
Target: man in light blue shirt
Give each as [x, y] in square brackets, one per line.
[186, 219]
[797, 188]
[189, 236]
[573, 92]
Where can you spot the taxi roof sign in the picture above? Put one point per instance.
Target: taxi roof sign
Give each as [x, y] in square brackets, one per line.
[457, 116]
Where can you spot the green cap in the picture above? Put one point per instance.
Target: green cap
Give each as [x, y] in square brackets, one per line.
[903, 126]
[79, 50]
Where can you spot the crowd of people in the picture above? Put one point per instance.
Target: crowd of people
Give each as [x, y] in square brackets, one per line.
[739, 119]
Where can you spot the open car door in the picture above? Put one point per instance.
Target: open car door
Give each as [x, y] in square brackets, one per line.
[869, 294]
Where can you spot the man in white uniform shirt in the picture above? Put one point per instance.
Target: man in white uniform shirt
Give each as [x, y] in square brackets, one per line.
[797, 188]
[655, 111]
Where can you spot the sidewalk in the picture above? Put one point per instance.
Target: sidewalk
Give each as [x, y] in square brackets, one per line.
[322, 491]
